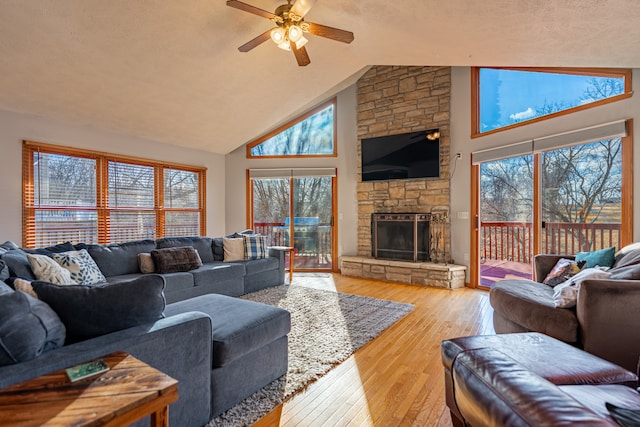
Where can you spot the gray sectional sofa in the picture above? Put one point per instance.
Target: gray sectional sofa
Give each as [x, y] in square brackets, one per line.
[221, 349]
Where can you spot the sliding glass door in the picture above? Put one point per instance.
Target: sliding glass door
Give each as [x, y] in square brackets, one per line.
[297, 211]
[560, 201]
[506, 218]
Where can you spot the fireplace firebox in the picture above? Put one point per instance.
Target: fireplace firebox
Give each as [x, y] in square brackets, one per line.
[403, 236]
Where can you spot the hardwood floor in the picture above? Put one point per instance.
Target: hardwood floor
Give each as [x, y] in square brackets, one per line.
[396, 379]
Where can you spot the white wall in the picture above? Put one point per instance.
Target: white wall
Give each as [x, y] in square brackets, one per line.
[461, 142]
[17, 127]
[347, 218]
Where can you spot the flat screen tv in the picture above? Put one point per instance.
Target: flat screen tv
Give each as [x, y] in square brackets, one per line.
[402, 156]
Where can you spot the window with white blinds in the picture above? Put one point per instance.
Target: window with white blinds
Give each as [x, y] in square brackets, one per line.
[84, 196]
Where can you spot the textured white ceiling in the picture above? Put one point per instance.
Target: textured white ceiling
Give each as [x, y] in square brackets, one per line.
[170, 70]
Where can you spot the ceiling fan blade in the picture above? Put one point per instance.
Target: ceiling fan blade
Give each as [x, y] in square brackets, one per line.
[255, 42]
[251, 9]
[330, 32]
[301, 7]
[301, 55]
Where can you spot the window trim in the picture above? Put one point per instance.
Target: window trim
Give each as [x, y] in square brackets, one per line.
[258, 141]
[102, 207]
[596, 72]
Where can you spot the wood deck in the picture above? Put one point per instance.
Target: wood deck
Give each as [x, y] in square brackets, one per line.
[492, 271]
[396, 379]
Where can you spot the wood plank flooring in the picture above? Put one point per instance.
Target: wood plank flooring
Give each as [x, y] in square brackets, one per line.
[397, 379]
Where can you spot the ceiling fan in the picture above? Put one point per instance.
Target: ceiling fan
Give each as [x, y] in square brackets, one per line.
[290, 28]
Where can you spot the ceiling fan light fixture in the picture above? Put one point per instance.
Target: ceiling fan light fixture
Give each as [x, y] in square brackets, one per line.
[301, 42]
[285, 46]
[295, 33]
[278, 35]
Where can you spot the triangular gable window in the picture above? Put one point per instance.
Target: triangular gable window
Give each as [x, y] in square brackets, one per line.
[505, 98]
[310, 135]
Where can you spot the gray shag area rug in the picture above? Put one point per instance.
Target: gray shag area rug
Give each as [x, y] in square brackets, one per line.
[326, 328]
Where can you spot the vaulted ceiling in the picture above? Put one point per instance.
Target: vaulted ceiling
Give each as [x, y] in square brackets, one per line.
[170, 70]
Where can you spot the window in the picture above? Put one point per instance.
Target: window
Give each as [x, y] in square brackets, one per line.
[85, 196]
[311, 135]
[504, 98]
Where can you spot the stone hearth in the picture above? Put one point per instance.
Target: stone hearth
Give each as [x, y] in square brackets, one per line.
[449, 276]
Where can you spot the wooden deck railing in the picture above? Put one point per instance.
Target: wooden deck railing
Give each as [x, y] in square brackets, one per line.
[506, 240]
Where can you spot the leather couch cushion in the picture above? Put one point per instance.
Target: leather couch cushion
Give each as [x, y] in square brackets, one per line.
[530, 304]
[492, 389]
[239, 326]
[594, 397]
[556, 361]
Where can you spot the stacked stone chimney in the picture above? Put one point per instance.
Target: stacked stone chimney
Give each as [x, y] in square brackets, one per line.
[393, 100]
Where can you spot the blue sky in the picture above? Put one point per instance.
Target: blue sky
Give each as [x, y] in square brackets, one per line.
[508, 95]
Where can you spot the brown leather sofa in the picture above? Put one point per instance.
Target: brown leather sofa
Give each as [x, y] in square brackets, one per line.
[531, 379]
[605, 321]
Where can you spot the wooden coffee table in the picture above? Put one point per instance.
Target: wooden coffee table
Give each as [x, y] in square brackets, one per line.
[128, 391]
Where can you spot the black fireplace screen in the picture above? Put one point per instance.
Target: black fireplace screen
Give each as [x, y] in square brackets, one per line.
[400, 236]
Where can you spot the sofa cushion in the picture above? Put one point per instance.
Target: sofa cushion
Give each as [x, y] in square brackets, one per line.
[173, 281]
[200, 243]
[118, 258]
[91, 311]
[4, 270]
[216, 272]
[256, 266]
[218, 249]
[600, 258]
[238, 326]
[7, 246]
[28, 328]
[56, 249]
[45, 268]
[16, 260]
[176, 259]
[82, 267]
[530, 305]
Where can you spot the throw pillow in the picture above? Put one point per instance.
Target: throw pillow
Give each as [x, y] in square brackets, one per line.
[146, 264]
[173, 260]
[255, 247]
[83, 269]
[91, 311]
[47, 269]
[28, 328]
[601, 258]
[233, 249]
[565, 295]
[562, 271]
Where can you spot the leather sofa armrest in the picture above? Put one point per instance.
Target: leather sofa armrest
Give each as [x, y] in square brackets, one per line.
[609, 324]
[544, 263]
[492, 389]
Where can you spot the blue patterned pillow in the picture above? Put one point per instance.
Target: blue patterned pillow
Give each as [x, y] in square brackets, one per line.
[255, 247]
[83, 268]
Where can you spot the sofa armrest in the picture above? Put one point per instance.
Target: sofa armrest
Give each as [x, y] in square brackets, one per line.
[609, 324]
[279, 254]
[544, 263]
[492, 389]
[179, 346]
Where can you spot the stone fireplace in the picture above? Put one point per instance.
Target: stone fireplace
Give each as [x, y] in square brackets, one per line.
[394, 100]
